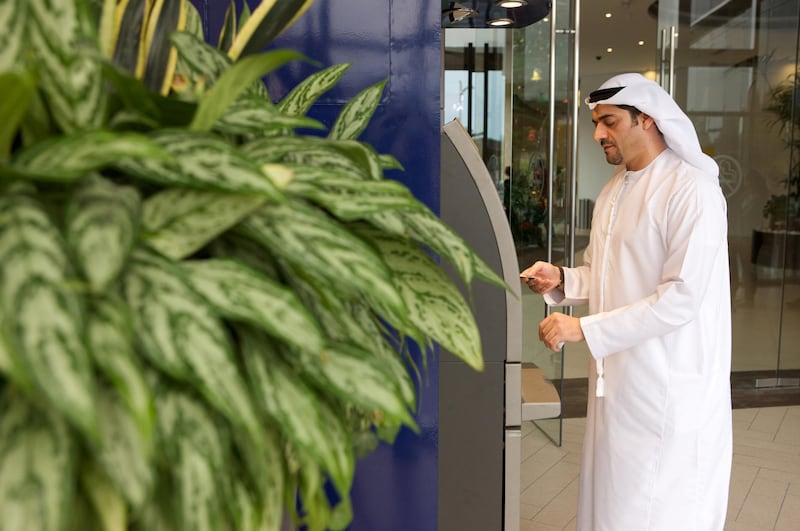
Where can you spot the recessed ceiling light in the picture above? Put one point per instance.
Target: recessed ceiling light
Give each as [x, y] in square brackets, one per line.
[510, 4]
[641, 43]
[608, 15]
[609, 49]
[500, 21]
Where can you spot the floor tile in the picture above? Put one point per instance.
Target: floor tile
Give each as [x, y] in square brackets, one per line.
[765, 477]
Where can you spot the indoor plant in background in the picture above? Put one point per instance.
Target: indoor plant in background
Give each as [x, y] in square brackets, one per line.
[782, 211]
[203, 314]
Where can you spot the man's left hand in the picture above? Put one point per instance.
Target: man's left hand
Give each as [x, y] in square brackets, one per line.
[559, 328]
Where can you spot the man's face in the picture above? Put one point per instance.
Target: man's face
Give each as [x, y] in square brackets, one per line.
[617, 133]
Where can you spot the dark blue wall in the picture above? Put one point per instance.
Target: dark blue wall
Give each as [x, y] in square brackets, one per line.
[395, 487]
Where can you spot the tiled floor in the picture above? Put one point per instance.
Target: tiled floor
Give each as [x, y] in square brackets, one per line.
[765, 482]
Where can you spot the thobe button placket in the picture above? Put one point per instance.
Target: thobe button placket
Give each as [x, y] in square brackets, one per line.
[600, 383]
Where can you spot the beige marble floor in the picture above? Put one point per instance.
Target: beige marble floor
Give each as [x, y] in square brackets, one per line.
[765, 481]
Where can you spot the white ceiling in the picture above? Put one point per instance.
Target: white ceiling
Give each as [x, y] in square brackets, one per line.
[629, 23]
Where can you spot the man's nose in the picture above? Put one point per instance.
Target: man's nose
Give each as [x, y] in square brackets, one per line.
[599, 132]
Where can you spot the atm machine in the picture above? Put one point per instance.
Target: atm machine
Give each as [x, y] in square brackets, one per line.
[481, 413]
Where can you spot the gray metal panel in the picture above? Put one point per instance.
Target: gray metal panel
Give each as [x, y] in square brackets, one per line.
[472, 405]
[513, 479]
[471, 206]
[471, 460]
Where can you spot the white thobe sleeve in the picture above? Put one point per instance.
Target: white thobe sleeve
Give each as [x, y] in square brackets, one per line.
[694, 235]
[577, 283]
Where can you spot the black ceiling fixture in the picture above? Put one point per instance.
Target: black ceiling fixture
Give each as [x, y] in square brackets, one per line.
[493, 13]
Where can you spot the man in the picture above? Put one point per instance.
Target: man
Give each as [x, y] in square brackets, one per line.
[658, 444]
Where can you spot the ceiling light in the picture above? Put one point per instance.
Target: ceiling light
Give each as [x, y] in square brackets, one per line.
[500, 21]
[510, 4]
[641, 43]
[609, 49]
[608, 15]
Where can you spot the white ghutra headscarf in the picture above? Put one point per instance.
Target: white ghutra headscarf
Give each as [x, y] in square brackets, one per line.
[647, 96]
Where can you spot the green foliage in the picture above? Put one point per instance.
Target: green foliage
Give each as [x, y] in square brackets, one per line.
[203, 314]
[783, 210]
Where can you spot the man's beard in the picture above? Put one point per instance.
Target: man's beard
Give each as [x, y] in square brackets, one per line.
[615, 157]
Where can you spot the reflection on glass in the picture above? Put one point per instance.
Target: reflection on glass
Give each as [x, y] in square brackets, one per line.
[735, 73]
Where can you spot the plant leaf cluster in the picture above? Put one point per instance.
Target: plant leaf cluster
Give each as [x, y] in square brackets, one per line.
[784, 104]
[205, 315]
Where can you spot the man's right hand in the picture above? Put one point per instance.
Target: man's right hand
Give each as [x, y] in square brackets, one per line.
[541, 277]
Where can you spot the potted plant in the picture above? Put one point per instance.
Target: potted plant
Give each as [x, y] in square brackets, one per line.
[204, 315]
[783, 210]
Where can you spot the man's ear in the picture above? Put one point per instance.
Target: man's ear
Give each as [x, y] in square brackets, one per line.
[647, 121]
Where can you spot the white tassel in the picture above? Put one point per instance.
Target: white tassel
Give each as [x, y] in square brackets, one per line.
[600, 386]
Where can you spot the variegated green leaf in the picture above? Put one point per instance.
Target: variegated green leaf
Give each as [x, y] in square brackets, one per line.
[352, 375]
[238, 292]
[435, 304]
[110, 337]
[199, 62]
[264, 469]
[70, 77]
[166, 17]
[107, 502]
[10, 367]
[130, 19]
[180, 334]
[234, 82]
[7, 365]
[245, 511]
[281, 149]
[26, 230]
[257, 116]
[304, 417]
[66, 158]
[14, 21]
[37, 468]
[44, 315]
[345, 197]
[424, 227]
[199, 502]
[159, 514]
[357, 113]
[179, 221]
[303, 96]
[244, 15]
[346, 155]
[265, 23]
[202, 160]
[49, 334]
[194, 22]
[17, 87]
[311, 488]
[139, 105]
[199, 450]
[102, 219]
[319, 247]
[107, 32]
[232, 245]
[229, 28]
[374, 341]
[124, 453]
[362, 154]
[37, 124]
[388, 162]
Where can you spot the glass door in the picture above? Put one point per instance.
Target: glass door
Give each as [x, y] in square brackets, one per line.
[542, 172]
[515, 90]
[733, 64]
